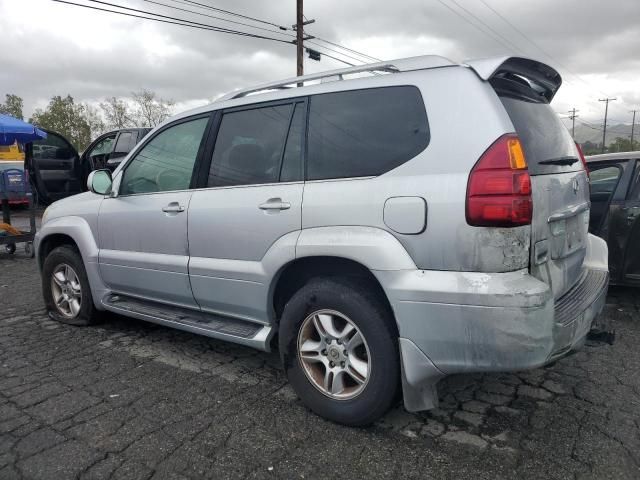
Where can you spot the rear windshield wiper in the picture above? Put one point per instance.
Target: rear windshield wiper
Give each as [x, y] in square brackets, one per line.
[559, 161]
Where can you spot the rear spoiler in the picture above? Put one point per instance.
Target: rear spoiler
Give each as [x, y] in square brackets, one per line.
[540, 76]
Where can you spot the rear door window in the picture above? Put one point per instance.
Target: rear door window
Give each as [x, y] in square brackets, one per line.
[634, 189]
[604, 180]
[250, 146]
[364, 133]
[547, 143]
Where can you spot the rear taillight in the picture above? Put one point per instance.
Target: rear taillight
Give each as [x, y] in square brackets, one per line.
[499, 189]
[582, 159]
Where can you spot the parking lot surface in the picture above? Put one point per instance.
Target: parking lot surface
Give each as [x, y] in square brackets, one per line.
[128, 399]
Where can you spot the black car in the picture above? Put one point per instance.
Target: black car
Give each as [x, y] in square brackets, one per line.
[58, 171]
[108, 150]
[615, 212]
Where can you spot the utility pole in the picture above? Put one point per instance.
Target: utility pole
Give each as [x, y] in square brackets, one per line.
[573, 116]
[300, 37]
[633, 125]
[606, 111]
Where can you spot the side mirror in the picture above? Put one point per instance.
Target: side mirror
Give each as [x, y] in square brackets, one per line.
[99, 181]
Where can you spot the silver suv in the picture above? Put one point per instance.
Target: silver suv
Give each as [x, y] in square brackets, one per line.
[419, 219]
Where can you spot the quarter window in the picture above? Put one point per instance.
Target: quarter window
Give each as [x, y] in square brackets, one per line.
[365, 132]
[249, 147]
[166, 162]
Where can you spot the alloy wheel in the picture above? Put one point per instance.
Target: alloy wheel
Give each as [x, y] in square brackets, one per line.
[66, 290]
[334, 354]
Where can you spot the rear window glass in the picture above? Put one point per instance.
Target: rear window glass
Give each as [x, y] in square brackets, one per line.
[544, 137]
[365, 132]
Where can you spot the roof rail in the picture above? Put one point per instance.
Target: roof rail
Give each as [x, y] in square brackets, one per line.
[393, 66]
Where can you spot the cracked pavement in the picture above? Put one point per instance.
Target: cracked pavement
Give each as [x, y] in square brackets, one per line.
[128, 399]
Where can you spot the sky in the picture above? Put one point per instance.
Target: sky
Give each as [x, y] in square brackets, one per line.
[51, 48]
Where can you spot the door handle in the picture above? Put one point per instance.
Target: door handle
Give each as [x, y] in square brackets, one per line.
[173, 207]
[274, 204]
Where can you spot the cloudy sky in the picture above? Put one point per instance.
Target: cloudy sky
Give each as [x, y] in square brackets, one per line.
[50, 48]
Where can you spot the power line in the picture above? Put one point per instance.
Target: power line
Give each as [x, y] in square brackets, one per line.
[508, 43]
[171, 20]
[289, 35]
[364, 55]
[174, 18]
[228, 12]
[215, 17]
[544, 52]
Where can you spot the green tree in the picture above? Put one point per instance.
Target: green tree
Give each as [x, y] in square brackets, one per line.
[66, 117]
[620, 144]
[12, 105]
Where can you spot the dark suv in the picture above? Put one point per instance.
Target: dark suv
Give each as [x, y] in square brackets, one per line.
[59, 171]
[108, 150]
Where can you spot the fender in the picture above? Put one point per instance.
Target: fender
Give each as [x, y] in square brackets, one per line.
[81, 233]
[372, 247]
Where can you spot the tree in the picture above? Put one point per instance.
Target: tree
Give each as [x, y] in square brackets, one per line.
[12, 105]
[117, 113]
[150, 110]
[620, 145]
[94, 120]
[67, 118]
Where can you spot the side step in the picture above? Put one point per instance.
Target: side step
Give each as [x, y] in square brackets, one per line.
[207, 324]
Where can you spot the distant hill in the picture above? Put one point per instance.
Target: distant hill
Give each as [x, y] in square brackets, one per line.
[594, 135]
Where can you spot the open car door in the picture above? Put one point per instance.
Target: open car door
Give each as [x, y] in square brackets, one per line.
[54, 168]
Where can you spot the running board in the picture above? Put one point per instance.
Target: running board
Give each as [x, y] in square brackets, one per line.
[207, 324]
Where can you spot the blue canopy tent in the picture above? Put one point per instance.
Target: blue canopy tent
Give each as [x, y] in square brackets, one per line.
[14, 182]
[12, 130]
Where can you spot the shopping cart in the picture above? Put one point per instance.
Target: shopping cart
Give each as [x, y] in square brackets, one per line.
[14, 186]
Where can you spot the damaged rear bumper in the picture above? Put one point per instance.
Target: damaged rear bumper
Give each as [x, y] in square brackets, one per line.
[456, 322]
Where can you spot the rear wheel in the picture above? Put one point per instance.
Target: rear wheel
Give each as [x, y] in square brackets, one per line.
[65, 287]
[339, 347]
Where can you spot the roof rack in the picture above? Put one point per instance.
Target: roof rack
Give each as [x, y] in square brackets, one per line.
[393, 66]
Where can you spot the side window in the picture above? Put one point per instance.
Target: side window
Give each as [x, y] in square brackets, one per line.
[249, 146]
[126, 141]
[634, 193]
[103, 146]
[365, 132]
[166, 162]
[604, 180]
[53, 147]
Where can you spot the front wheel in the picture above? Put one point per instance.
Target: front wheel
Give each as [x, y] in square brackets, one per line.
[339, 348]
[65, 287]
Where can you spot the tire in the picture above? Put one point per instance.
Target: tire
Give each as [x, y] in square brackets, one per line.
[10, 248]
[29, 250]
[339, 302]
[80, 312]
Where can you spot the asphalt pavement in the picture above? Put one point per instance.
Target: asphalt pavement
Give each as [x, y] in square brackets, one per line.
[128, 399]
